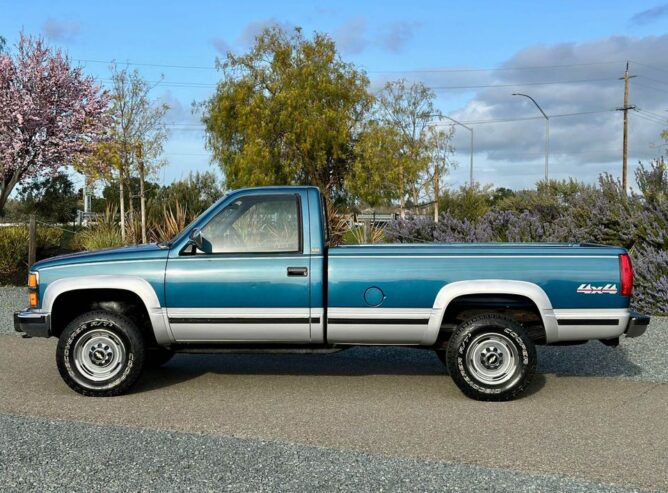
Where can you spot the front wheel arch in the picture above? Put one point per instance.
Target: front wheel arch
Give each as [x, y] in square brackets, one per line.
[71, 304]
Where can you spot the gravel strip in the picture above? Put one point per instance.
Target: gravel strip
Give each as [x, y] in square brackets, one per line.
[44, 455]
[642, 358]
[11, 299]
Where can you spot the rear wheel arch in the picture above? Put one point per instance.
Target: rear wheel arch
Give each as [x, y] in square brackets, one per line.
[524, 301]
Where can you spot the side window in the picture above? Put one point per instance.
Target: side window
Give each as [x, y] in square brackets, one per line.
[255, 224]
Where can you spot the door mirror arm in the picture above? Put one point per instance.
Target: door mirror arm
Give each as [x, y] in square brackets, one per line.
[195, 238]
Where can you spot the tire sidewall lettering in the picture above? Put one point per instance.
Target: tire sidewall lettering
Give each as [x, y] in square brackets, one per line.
[462, 366]
[68, 357]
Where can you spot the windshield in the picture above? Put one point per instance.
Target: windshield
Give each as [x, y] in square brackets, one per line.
[167, 244]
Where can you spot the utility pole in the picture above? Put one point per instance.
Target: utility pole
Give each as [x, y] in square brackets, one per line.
[625, 109]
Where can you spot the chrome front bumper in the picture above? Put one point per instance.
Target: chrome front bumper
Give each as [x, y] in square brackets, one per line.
[33, 324]
[637, 325]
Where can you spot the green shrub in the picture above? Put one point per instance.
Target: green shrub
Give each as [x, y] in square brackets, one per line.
[105, 234]
[14, 249]
[98, 237]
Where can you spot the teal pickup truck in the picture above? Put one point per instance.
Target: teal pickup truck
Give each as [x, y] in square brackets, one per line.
[255, 272]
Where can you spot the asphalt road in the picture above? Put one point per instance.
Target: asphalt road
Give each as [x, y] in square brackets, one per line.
[363, 419]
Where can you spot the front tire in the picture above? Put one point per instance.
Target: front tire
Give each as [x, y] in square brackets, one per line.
[101, 354]
[491, 358]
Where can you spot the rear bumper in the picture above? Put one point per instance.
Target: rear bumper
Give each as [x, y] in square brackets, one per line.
[33, 324]
[637, 325]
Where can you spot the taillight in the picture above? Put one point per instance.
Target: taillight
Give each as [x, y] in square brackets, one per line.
[626, 274]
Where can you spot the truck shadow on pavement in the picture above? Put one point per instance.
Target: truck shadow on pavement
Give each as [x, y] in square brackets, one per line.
[354, 362]
[588, 360]
[592, 359]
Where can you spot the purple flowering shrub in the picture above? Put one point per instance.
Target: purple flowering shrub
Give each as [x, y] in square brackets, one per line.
[568, 212]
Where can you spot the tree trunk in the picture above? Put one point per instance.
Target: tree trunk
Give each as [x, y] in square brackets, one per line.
[121, 180]
[402, 196]
[131, 213]
[437, 179]
[6, 190]
[142, 198]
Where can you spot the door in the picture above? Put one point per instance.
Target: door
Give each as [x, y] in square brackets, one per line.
[250, 280]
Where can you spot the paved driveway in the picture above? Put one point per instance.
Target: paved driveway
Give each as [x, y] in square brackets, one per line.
[390, 417]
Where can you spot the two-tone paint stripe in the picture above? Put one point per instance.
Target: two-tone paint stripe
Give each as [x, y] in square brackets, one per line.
[243, 320]
[588, 321]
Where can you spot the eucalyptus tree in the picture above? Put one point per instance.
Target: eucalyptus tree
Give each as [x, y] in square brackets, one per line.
[289, 111]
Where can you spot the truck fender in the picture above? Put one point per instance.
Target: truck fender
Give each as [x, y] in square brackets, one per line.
[491, 286]
[134, 284]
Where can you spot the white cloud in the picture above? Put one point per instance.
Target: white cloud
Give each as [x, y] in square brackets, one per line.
[255, 28]
[650, 15]
[351, 37]
[60, 30]
[581, 146]
[221, 45]
[397, 35]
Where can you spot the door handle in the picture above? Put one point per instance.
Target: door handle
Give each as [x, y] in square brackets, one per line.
[297, 271]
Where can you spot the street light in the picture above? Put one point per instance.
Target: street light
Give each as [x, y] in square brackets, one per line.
[547, 129]
[470, 129]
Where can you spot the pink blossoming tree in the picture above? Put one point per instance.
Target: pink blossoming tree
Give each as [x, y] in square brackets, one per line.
[50, 114]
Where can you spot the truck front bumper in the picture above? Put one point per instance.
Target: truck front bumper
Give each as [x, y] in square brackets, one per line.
[33, 323]
[637, 325]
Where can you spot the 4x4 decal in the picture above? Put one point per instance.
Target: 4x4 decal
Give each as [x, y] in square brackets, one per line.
[589, 289]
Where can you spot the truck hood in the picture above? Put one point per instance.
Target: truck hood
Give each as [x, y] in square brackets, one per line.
[138, 252]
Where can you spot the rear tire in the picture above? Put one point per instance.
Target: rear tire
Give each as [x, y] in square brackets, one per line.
[491, 358]
[100, 354]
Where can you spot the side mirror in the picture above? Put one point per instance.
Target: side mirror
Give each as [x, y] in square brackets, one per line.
[196, 238]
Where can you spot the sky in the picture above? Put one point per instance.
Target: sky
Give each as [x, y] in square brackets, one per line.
[568, 55]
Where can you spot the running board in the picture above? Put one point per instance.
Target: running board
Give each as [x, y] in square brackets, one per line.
[257, 349]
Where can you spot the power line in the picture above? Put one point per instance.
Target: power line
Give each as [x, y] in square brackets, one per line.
[649, 86]
[521, 84]
[167, 83]
[560, 115]
[658, 123]
[654, 80]
[661, 117]
[649, 66]
[137, 64]
[493, 69]
[381, 71]
[649, 118]
[195, 126]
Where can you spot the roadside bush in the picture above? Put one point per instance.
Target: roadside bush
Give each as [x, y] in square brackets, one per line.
[566, 212]
[171, 223]
[650, 255]
[14, 250]
[105, 234]
[98, 237]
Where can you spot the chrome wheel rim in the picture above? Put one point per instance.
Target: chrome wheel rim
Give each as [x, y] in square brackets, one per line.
[492, 359]
[99, 355]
